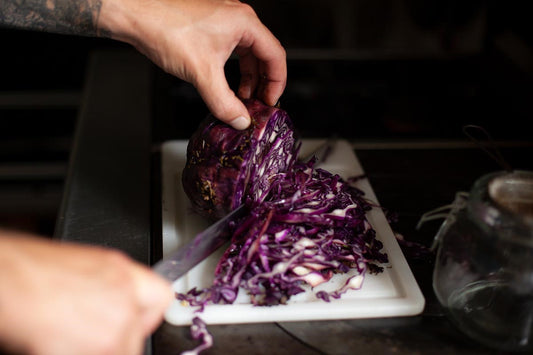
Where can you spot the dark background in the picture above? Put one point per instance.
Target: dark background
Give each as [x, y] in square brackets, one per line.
[368, 71]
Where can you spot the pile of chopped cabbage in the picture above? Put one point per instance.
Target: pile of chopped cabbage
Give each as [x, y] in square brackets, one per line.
[311, 225]
[304, 224]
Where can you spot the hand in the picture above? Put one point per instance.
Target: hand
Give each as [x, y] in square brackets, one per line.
[59, 298]
[193, 40]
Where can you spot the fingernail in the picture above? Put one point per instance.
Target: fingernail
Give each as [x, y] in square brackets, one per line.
[240, 122]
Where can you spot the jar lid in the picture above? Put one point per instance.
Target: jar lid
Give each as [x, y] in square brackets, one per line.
[514, 192]
[503, 203]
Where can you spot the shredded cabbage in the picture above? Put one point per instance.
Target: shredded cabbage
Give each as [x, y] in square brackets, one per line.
[304, 224]
[311, 226]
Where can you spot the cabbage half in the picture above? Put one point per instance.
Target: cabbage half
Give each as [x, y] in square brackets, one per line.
[226, 167]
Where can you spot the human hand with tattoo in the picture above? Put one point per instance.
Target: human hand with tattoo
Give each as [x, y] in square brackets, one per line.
[66, 299]
[191, 39]
[194, 39]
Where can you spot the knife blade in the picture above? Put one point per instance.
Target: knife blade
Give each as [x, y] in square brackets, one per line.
[203, 244]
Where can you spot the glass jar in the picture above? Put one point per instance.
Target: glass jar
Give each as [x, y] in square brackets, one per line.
[483, 273]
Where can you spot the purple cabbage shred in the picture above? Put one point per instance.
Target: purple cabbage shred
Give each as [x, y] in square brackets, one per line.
[311, 226]
[199, 332]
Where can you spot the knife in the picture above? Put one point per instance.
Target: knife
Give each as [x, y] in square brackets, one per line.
[206, 242]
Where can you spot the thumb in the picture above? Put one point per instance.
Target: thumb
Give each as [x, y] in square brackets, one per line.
[154, 296]
[222, 101]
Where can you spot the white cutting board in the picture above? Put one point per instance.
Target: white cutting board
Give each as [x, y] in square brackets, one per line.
[391, 293]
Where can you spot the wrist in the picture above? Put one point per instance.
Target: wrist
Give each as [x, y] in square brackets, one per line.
[13, 264]
[117, 20]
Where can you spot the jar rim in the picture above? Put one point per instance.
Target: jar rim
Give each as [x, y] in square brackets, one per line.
[504, 200]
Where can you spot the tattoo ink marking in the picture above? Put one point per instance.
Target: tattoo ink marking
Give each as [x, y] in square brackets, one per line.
[76, 17]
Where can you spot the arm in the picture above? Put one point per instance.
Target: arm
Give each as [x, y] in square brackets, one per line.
[189, 39]
[76, 17]
[55, 294]
[193, 39]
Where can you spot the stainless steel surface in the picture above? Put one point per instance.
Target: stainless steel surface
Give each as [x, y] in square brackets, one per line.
[107, 195]
[106, 200]
[204, 244]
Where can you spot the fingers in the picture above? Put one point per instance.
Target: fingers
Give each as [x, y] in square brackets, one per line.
[248, 65]
[262, 62]
[272, 86]
[263, 65]
[221, 100]
[258, 81]
[154, 295]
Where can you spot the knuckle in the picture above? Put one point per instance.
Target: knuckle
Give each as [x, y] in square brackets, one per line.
[222, 112]
[247, 10]
[278, 51]
[282, 52]
[119, 270]
[107, 344]
[117, 258]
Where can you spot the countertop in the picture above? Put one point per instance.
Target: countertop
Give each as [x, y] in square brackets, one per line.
[408, 181]
[112, 198]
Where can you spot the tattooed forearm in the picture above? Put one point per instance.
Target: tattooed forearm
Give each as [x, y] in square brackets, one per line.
[78, 17]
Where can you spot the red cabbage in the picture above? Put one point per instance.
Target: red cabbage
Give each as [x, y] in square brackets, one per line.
[199, 332]
[226, 166]
[310, 226]
[305, 224]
